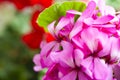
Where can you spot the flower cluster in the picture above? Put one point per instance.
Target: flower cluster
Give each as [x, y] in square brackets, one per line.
[85, 47]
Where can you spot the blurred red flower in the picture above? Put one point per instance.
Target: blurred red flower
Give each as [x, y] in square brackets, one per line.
[34, 38]
[37, 34]
[20, 4]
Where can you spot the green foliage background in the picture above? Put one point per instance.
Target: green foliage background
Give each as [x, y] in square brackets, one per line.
[15, 57]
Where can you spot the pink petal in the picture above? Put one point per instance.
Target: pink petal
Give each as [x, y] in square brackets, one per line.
[65, 56]
[37, 68]
[82, 76]
[94, 39]
[42, 44]
[62, 23]
[71, 14]
[116, 70]
[78, 56]
[90, 39]
[52, 73]
[45, 50]
[36, 61]
[51, 28]
[76, 29]
[88, 65]
[79, 23]
[70, 76]
[77, 41]
[100, 70]
[110, 31]
[115, 49]
[89, 21]
[74, 12]
[103, 19]
[104, 26]
[56, 47]
[105, 51]
[89, 10]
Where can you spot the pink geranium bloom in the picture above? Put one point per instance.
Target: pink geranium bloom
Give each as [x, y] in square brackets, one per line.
[93, 43]
[85, 49]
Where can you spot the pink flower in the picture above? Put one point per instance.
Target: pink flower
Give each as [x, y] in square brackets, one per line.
[85, 49]
[116, 70]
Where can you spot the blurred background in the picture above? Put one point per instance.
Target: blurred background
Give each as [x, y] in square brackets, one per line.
[20, 36]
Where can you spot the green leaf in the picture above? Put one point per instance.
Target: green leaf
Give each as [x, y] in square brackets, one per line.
[57, 10]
